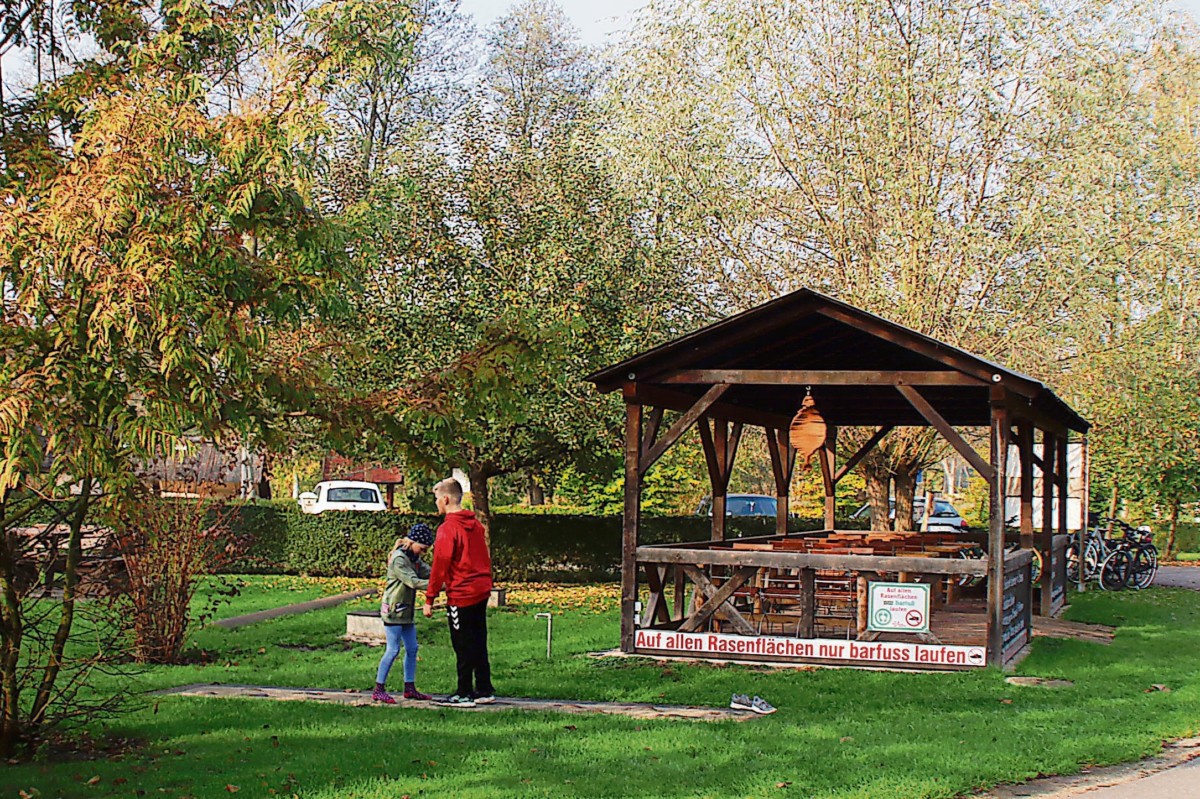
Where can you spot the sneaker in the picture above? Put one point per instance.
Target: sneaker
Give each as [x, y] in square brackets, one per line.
[415, 694]
[383, 696]
[485, 699]
[740, 702]
[458, 701]
[761, 706]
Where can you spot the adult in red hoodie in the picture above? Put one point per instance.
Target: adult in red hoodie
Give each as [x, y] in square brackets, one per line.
[462, 565]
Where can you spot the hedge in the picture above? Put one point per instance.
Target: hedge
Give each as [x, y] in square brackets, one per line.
[524, 547]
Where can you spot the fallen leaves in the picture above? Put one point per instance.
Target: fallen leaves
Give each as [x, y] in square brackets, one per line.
[232, 788]
[593, 598]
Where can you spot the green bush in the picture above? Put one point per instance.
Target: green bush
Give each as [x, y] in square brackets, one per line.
[1187, 536]
[524, 547]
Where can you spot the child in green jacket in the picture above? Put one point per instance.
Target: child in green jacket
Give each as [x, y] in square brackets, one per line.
[406, 573]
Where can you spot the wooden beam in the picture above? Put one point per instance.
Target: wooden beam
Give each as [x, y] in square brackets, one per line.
[1025, 451]
[809, 560]
[995, 572]
[934, 350]
[826, 457]
[735, 438]
[949, 433]
[675, 399]
[1045, 541]
[651, 432]
[783, 461]
[824, 377]
[863, 452]
[681, 425]
[632, 514]
[718, 597]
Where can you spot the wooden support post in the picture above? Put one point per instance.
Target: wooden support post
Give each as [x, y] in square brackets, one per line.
[828, 457]
[720, 444]
[1085, 500]
[1025, 451]
[998, 468]
[1062, 484]
[1045, 542]
[808, 603]
[633, 509]
[680, 593]
[783, 462]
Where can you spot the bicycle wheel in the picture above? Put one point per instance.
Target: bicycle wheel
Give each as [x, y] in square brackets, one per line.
[1143, 566]
[1114, 572]
[1091, 559]
[1072, 564]
[972, 553]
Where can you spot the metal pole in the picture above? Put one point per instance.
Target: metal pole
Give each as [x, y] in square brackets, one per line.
[549, 629]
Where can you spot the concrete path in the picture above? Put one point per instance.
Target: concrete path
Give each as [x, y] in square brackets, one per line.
[290, 610]
[635, 710]
[1175, 774]
[1179, 577]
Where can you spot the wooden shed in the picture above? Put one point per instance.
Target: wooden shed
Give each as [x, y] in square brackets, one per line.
[808, 597]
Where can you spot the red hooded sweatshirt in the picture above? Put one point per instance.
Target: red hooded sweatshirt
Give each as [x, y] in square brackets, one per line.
[461, 561]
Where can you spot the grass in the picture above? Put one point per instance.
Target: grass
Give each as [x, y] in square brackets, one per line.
[1187, 556]
[838, 733]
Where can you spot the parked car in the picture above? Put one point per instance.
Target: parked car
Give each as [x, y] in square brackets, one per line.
[945, 519]
[742, 505]
[342, 495]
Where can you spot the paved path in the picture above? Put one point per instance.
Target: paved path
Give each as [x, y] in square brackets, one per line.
[289, 610]
[1179, 577]
[1175, 774]
[635, 710]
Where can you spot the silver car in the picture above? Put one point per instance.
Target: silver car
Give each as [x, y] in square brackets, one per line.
[945, 519]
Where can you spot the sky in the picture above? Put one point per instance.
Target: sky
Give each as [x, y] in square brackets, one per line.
[598, 19]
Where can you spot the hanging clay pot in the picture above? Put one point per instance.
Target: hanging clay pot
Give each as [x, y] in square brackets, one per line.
[807, 432]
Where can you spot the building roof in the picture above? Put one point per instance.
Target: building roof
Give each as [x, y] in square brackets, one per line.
[810, 333]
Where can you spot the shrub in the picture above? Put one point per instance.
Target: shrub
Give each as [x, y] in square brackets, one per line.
[525, 547]
[166, 545]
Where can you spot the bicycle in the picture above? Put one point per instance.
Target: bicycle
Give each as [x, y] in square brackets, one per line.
[1129, 561]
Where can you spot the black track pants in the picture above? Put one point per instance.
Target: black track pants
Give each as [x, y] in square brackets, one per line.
[468, 634]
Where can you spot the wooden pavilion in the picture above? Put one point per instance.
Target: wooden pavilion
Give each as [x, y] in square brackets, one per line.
[777, 597]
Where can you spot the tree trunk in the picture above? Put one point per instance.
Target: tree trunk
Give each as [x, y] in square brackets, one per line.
[906, 484]
[878, 480]
[1172, 530]
[66, 619]
[536, 495]
[11, 631]
[480, 499]
[1112, 509]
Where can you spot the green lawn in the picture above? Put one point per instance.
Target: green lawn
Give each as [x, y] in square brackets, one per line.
[838, 733]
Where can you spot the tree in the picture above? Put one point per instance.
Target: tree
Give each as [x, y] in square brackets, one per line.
[513, 252]
[147, 254]
[983, 172]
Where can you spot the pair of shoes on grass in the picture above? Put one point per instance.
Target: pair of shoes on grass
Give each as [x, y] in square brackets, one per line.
[757, 704]
[460, 700]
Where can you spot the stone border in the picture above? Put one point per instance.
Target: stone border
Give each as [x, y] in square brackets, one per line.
[291, 610]
[351, 697]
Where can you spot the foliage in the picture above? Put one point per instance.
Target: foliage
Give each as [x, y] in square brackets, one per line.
[1016, 179]
[166, 546]
[523, 546]
[502, 264]
[149, 247]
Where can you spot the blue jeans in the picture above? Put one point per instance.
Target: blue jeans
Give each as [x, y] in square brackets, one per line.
[398, 634]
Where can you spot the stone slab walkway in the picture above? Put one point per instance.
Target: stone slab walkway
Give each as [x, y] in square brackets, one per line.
[291, 610]
[635, 710]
